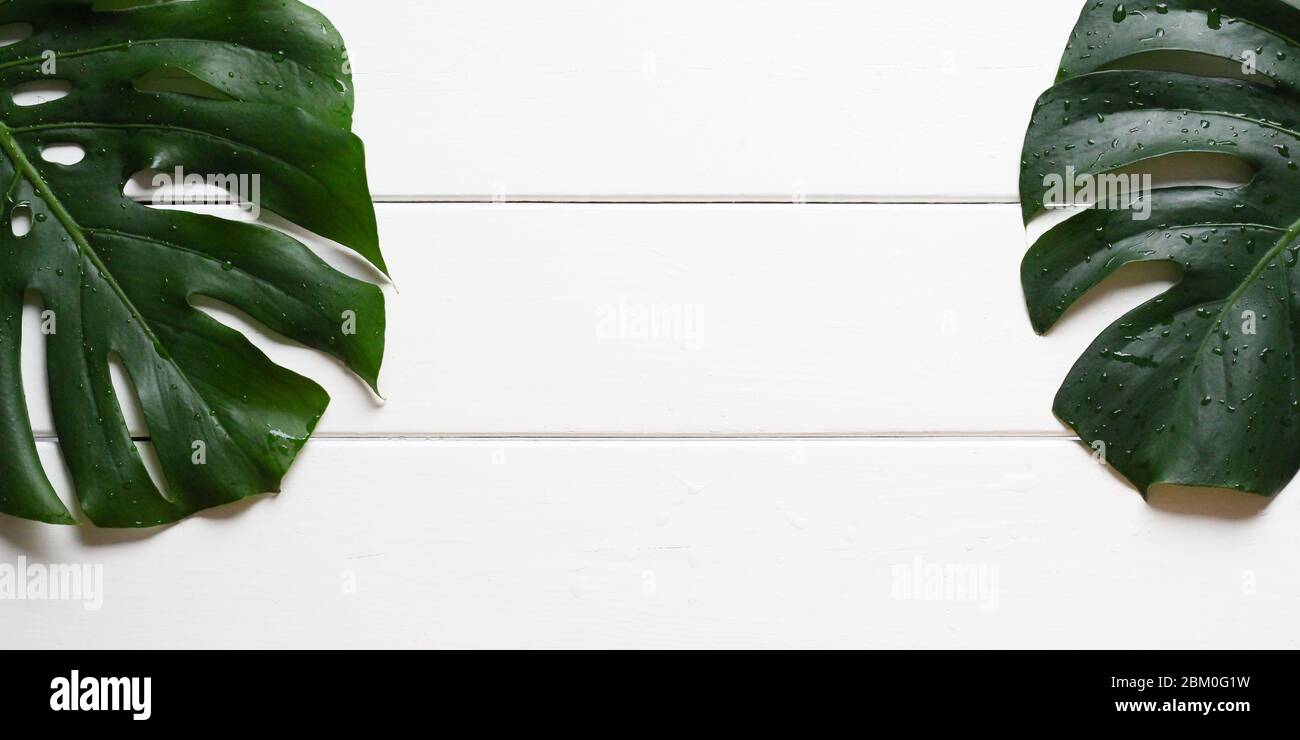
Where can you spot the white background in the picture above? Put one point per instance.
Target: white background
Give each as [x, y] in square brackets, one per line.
[860, 390]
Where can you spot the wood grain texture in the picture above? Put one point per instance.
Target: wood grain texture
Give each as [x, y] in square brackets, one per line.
[700, 320]
[810, 324]
[668, 544]
[729, 99]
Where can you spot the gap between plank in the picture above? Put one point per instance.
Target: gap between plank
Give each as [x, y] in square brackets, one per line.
[667, 437]
[702, 201]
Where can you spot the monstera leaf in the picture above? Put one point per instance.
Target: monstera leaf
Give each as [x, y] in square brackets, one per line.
[1198, 386]
[270, 101]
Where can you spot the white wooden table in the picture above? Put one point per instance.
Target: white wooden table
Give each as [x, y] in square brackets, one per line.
[831, 400]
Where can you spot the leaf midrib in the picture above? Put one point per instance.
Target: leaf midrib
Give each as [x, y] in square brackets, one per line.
[24, 165]
[1282, 243]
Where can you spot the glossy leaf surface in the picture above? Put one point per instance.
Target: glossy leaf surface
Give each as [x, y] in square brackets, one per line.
[1198, 386]
[246, 88]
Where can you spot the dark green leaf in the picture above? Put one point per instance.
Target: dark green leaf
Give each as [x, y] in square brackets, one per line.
[246, 87]
[1198, 386]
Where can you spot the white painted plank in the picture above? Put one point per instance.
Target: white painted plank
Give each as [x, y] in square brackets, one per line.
[701, 544]
[522, 320]
[680, 99]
